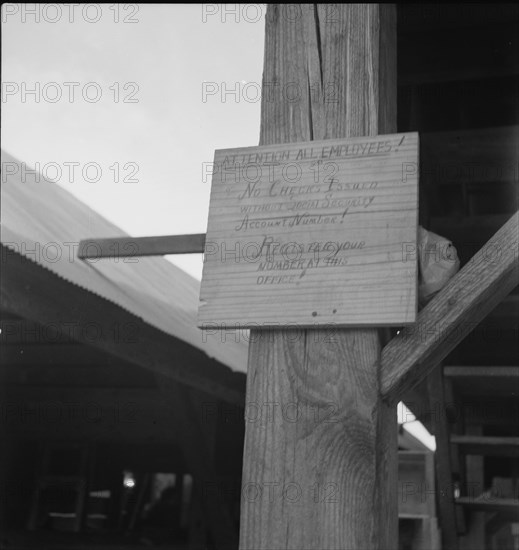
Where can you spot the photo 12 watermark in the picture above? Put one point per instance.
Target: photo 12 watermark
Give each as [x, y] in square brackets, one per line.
[69, 92]
[70, 171]
[270, 92]
[69, 13]
[256, 13]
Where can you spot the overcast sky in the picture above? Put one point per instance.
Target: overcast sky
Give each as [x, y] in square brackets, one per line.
[149, 65]
[136, 92]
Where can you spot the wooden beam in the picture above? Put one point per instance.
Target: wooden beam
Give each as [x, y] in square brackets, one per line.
[326, 478]
[466, 299]
[119, 247]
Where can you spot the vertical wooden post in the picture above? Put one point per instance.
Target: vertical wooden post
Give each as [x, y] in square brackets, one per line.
[443, 461]
[474, 539]
[188, 414]
[320, 462]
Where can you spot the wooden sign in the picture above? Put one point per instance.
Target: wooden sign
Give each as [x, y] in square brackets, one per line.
[316, 233]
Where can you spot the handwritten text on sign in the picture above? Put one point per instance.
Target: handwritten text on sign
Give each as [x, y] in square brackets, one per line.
[312, 234]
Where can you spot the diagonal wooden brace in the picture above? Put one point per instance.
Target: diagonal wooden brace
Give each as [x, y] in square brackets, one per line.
[452, 314]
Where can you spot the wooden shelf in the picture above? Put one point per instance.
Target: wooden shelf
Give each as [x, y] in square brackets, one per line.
[487, 445]
[490, 504]
[481, 372]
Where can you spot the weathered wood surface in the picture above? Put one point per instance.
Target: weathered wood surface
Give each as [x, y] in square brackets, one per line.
[330, 220]
[120, 247]
[320, 467]
[466, 299]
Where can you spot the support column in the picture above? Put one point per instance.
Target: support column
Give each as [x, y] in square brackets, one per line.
[320, 462]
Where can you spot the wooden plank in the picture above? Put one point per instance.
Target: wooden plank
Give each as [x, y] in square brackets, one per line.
[491, 504]
[481, 372]
[328, 479]
[466, 299]
[487, 445]
[119, 247]
[284, 219]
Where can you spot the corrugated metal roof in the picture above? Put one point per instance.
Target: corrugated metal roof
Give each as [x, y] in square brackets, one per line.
[45, 223]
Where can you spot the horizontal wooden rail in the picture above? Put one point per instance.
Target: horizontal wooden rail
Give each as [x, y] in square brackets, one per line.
[487, 445]
[491, 504]
[119, 247]
[481, 372]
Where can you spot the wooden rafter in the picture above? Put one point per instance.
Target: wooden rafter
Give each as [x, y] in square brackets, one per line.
[466, 299]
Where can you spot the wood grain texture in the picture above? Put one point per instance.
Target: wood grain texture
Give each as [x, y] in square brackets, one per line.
[320, 459]
[331, 220]
[464, 301]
